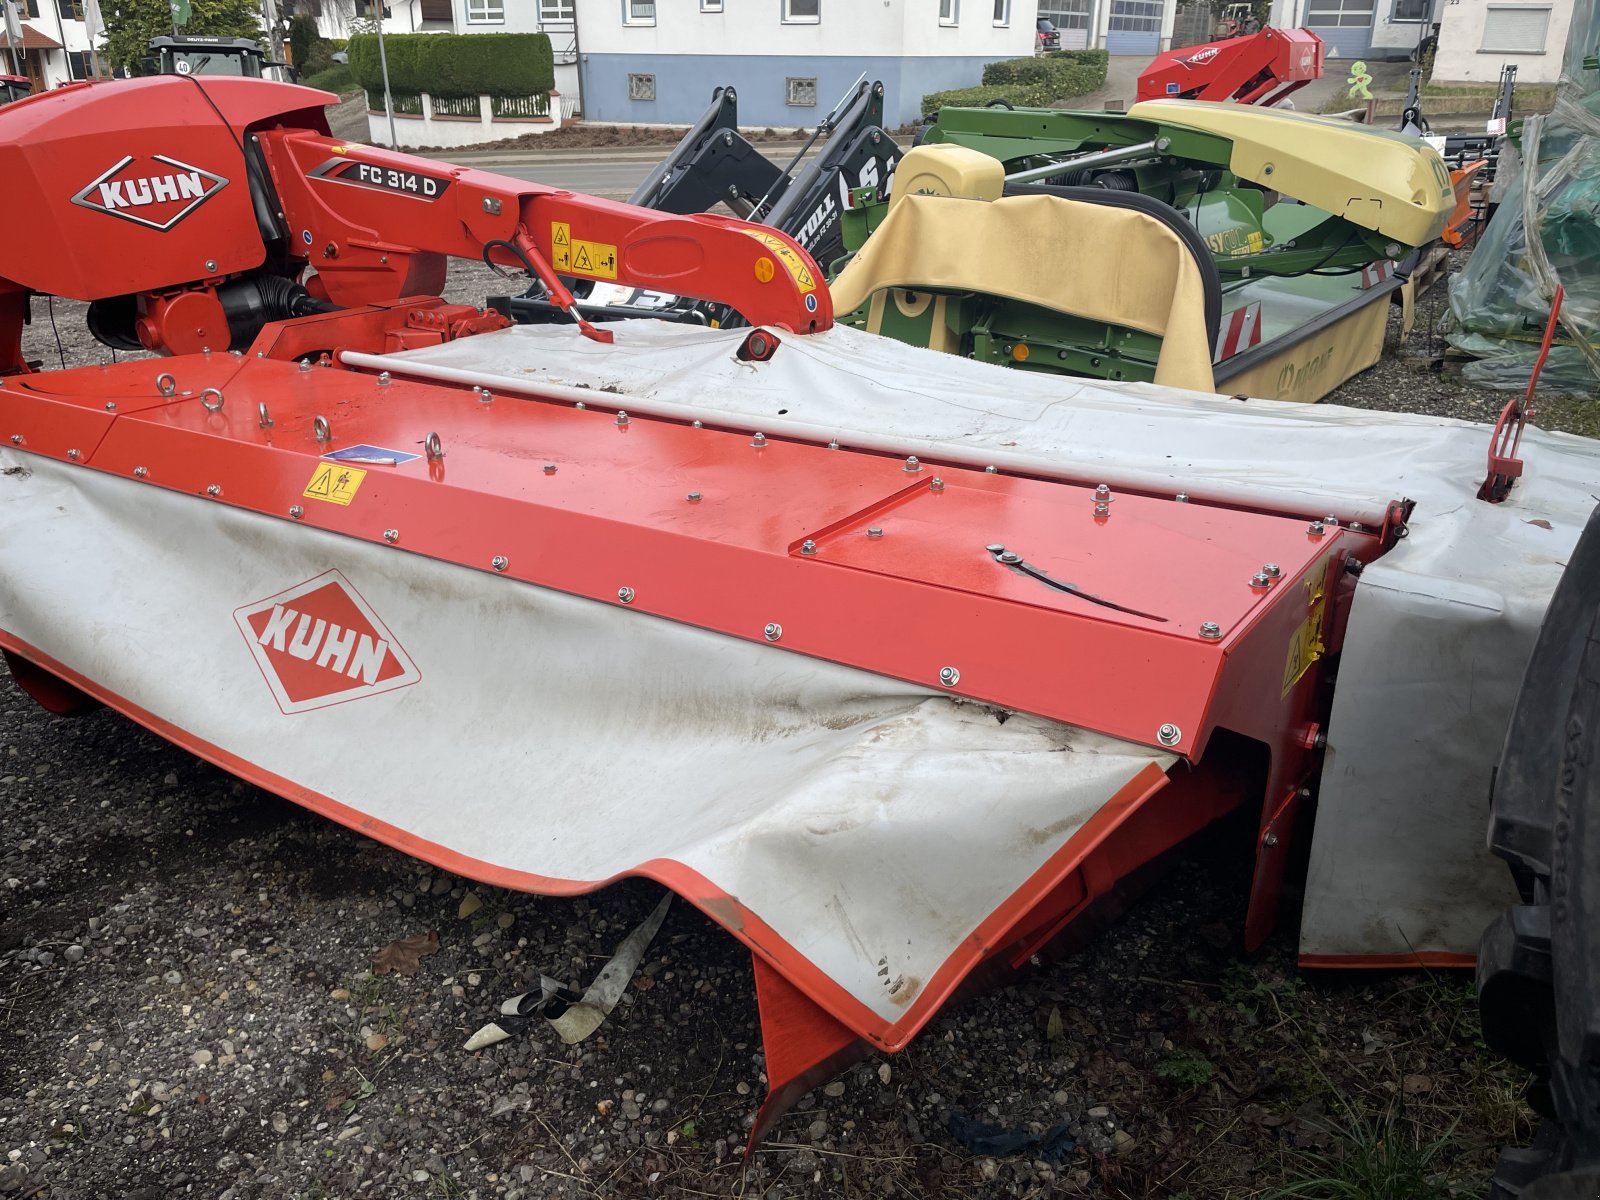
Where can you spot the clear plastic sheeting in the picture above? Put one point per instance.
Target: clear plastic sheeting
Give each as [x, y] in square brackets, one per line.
[1500, 303]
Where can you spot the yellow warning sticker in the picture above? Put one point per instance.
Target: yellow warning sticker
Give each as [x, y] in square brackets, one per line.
[574, 256]
[784, 253]
[335, 483]
[1305, 644]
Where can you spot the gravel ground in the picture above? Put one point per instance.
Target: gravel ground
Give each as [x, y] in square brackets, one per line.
[187, 1009]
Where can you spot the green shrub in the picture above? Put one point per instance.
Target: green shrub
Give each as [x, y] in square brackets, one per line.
[303, 40]
[336, 79]
[1065, 74]
[1019, 95]
[446, 64]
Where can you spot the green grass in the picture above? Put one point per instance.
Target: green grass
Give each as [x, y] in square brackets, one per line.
[1376, 1157]
[336, 79]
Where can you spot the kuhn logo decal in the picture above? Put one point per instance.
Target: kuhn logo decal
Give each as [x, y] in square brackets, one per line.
[151, 190]
[1200, 57]
[320, 643]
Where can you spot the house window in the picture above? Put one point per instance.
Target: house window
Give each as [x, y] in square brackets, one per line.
[1331, 14]
[710, 5]
[638, 12]
[557, 10]
[1411, 10]
[1517, 30]
[70, 10]
[436, 13]
[804, 12]
[641, 87]
[486, 12]
[800, 93]
[949, 12]
[1002, 12]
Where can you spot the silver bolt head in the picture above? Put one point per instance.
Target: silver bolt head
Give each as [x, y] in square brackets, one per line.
[1102, 493]
[1169, 734]
[808, 547]
[694, 497]
[874, 531]
[211, 264]
[912, 464]
[773, 631]
[580, 405]
[1331, 521]
[1182, 497]
[296, 511]
[990, 470]
[383, 379]
[549, 468]
[391, 536]
[949, 676]
[16, 439]
[1270, 841]
[140, 472]
[697, 425]
[305, 364]
[833, 443]
[499, 562]
[111, 406]
[1316, 529]
[74, 454]
[622, 417]
[1010, 557]
[1259, 580]
[936, 485]
[1271, 570]
[625, 594]
[995, 548]
[214, 489]
[760, 439]
[1210, 629]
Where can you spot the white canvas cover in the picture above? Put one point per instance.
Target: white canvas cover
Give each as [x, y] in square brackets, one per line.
[1439, 632]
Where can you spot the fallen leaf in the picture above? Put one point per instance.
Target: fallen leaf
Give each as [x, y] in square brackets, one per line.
[404, 955]
[334, 1100]
[505, 920]
[1415, 1085]
[376, 1042]
[203, 1098]
[327, 1077]
[643, 983]
[1053, 1030]
[603, 1107]
[1539, 521]
[469, 905]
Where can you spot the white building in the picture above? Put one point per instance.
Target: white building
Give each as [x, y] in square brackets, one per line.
[1134, 27]
[657, 61]
[55, 45]
[1477, 37]
[1363, 29]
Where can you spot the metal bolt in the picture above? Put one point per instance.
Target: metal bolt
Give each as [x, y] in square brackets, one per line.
[949, 676]
[990, 470]
[1270, 841]
[1331, 522]
[1182, 497]
[16, 439]
[1356, 526]
[214, 490]
[486, 397]
[111, 406]
[1010, 557]
[432, 446]
[833, 443]
[262, 417]
[759, 440]
[211, 264]
[491, 206]
[141, 472]
[74, 454]
[549, 468]
[697, 425]
[773, 631]
[874, 531]
[995, 548]
[1102, 494]
[625, 594]
[391, 536]
[936, 484]
[693, 497]
[499, 562]
[622, 417]
[1210, 629]
[1260, 581]
[912, 464]
[1169, 734]
[1316, 529]
[580, 405]
[166, 384]
[322, 430]
[305, 364]
[808, 547]
[296, 511]
[383, 379]
[1271, 570]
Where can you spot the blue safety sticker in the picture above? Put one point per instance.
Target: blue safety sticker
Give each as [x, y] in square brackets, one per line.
[811, 302]
[380, 456]
[1172, 89]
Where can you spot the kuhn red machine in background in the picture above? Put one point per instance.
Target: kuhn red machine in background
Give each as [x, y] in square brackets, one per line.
[893, 663]
[1263, 68]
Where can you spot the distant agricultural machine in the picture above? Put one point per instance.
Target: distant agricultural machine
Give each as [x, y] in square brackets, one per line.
[895, 664]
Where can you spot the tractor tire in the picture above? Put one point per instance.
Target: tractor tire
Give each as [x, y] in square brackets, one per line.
[1539, 963]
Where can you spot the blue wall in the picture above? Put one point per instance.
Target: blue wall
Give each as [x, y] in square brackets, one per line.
[684, 83]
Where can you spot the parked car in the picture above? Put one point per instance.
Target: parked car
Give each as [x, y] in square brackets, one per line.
[1048, 36]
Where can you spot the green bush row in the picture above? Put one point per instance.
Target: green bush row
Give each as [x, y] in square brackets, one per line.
[1067, 73]
[446, 64]
[1019, 95]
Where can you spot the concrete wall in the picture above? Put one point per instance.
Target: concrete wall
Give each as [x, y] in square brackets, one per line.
[1461, 58]
[749, 45]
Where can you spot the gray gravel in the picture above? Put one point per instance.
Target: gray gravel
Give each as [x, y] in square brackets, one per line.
[186, 1009]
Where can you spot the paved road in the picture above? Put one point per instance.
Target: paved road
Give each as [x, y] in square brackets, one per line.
[615, 180]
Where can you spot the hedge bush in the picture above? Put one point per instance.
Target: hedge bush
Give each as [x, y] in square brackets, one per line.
[1019, 95]
[1067, 73]
[448, 64]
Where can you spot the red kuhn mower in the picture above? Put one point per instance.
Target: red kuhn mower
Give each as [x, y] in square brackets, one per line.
[891, 662]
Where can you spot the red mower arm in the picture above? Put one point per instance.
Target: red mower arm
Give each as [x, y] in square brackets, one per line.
[377, 226]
